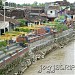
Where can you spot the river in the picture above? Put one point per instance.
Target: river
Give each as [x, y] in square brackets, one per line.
[58, 62]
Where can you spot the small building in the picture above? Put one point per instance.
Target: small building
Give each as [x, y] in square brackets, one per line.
[63, 3]
[36, 15]
[14, 13]
[17, 14]
[4, 27]
[35, 11]
[52, 9]
[9, 24]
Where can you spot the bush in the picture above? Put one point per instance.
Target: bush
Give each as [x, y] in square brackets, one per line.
[3, 43]
[61, 27]
[22, 22]
[17, 29]
[22, 29]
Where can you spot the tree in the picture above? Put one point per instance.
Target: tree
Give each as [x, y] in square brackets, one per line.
[26, 4]
[35, 4]
[22, 22]
[6, 4]
[14, 4]
[41, 4]
[0, 4]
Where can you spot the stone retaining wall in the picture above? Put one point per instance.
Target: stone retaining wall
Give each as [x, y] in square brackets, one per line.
[65, 35]
[45, 46]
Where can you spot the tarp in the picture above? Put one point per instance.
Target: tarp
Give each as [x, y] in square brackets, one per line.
[68, 16]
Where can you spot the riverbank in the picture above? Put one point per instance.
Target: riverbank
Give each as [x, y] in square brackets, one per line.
[63, 56]
[52, 43]
[42, 51]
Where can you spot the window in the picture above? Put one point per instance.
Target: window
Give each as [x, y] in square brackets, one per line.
[51, 12]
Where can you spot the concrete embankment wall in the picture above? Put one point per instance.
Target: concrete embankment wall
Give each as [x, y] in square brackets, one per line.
[51, 42]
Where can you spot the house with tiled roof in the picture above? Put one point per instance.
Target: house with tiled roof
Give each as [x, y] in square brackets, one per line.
[36, 15]
[9, 24]
[63, 3]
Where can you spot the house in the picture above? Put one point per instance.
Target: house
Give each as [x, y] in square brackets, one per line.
[52, 9]
[14, 13]
[9, 24]
[63, 3]
[35, 15]
[29, 13]
[35, 11]
[17, 13]
[4, 27]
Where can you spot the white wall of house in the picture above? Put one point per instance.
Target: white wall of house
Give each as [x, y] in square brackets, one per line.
[4, 25]
[51, 13]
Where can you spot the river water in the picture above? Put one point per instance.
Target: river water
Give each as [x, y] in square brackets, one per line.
[58, 62]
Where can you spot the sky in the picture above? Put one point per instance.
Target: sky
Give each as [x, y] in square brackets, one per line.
[39, 1]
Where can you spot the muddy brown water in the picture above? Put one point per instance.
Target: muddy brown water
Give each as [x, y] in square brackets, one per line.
[58, 62]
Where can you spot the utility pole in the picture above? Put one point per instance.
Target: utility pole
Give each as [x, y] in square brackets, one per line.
[3, 1]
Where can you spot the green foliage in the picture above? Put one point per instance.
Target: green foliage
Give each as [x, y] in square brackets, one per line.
[17, 29]
[44, 21]
[58, 25]
[26, 4]
[19, 5]
[3, 43]
[61, 27]
[65, 27]
[41, 4]
[25, 42]
[22, 29]
[34, 4]
[2, 71]
[22, 22]
[62, 17]
[1, 4]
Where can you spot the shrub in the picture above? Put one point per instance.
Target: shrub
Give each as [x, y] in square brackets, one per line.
[61, 27]
[17, 29]
[22, 22]
[3, 43]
